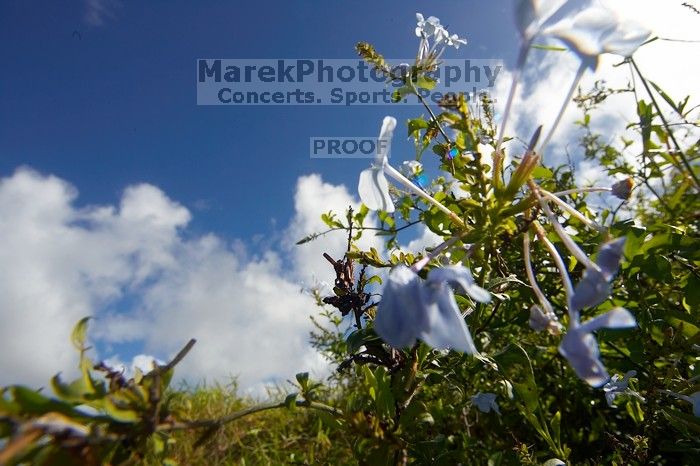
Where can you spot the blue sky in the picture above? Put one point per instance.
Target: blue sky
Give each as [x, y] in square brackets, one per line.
[118, 105]
[122, 199]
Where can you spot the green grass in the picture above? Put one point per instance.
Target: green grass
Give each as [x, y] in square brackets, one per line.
[277, 436]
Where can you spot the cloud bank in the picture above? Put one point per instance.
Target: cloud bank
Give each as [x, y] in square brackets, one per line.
[152, 286]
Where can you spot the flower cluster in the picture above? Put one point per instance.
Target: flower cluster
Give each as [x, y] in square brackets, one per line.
[434, 38]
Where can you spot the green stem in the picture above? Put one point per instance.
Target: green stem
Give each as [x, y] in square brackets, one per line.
[563, 235]
[562, 109]
[432, 115]
[408, 184]
[522, 56]
[572, 211]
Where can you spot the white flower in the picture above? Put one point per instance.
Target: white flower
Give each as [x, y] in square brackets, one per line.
[594, 287]
[431, 29]
[616, 387]
[580, 347]
[411, 168]
[428, 27]
[597, 30]
[373, 186]
[486, 402]
[454, 41]
[413, 309]
[533, 15]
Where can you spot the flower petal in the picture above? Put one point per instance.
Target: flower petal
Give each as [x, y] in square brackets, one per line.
[592, 290]
[626, 39]
[447, 328]
[609, 257]
[384, 143]
[618, 317]
[539, 320]
[598, 30]
[374, 190]
[531, 15]
[580, 348]
[461, 276]
[485, 402]
[695, 399]
[400, 314]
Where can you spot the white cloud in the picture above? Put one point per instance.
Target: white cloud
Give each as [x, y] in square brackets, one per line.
[142, 362]
[154, 287]
[425, 239]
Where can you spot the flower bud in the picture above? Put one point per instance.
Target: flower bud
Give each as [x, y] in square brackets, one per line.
[623, 189]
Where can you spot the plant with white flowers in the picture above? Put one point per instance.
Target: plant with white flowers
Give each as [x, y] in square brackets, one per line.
[532, 296]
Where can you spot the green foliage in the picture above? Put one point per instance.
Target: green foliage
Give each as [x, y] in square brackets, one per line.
[98, 418]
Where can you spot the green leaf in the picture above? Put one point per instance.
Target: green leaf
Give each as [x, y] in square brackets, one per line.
[542, 173]
[666, 97]
[551, 48]
[79, 333]
[303, 379]
[32, 402]
[359, 338]
[374, 279]
[384, 397]
[118, 413]
[73, 392]
[415, 125]
[291, 401]
[399, 94]
[692, 291]
[309, 238]
[425, 82]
